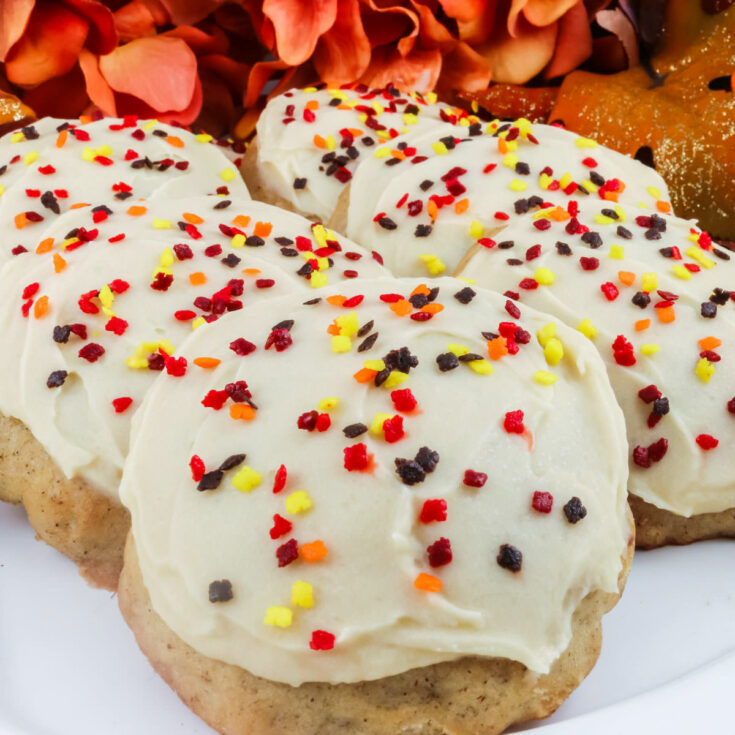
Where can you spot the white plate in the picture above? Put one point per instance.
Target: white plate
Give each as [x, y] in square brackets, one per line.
[69, 665]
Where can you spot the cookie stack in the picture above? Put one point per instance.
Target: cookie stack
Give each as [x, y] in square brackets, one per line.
[376, 483]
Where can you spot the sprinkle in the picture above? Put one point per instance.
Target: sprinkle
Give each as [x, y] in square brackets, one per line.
[56, 379]
[544, 276]
[473, 478]
[707, 442]
[666, 314]
[704, 370]
[587, 328]
[610, 291]
[649, 349]
[585, 143]
[510, 558]
[433, 511]
[302, 594]
[440, 552]
[542, 502]
[313, 552]
[433, 263]
[554, 351]
[543, 377]
[207, 363]
[481, 367]
[617, 252]
[161, 224]
[513, 422]
[227, 175]
[298, 502]
[574, 510]
[282, 617]
[220, 591]
[321, 640]
[427, 583]
[649, 282]
[246, 480]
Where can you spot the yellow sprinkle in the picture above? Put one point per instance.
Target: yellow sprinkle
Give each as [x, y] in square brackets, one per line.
[161, 224]
[17, 137]
[649, 349]
[642, 205]
[439, 148]
[588, 329]
[310, 90]
[511, 145]
[302, 594]
[483, 367]
[696, 253]
[246, 480]
[376, 426]
[409, 118]
[150, 124]
[322, 263]
[69, 241]
[544, 181]
[525, 126]
[649, 282]
[106, 296]
[30, 157]
[383, 152]
[198, 322]
[617, 252]
[348, 324]
[320, 235]
[622, 217]
[544, 377]
[544, 276]
[517, 185]
[204, 138]
[510, 160]
[341, 343]
[88, 154]
[165, 345]
[704, 370]
[137, 363]
[238, 240]
[476, 229]
[2, 190]
[433, 263]
[471, 281]
[298, 502]
[554, 351]
[654, 192]
[585, 143]
[546, 333]
[327, 404]
[167, 258]
[681, 272]
[694, 236]
[589, 186]
[601, 219]
[384, 134]
[318, 279]
[565, 180]
[228, 174]
[457, 350]
[104, 150]
[377, 365]
[396, 377]
[279, 616]
[331, 144]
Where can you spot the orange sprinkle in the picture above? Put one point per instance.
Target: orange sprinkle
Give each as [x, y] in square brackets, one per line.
[356, 132]
[20, 220]
[642, 324]
[497, 348]
[333, 329]
[710, 343]
[400, 155]
[45, 245]
[422, 288]
[662, 206]
[84, 119]
[79, 205]
[428, 582]
[174, 141]
[502, 145]
[401, 308]
[528, 436]
[251, 271]
[241, 411]
[315, 551]
[559, 214]
[611, 196]
[336, 300]
[319, 142]
[136, 210]
[59, 263]
[192, 219]
[461, 206]
[364, 375]
[262, 229]
[666, 314]
[312, 105]
[241, 220]
[61, 139]
[432, 209]
[344, 107]
[197, 279]
[40, 307]
[207, 362]
[432, 308]
[626, 277]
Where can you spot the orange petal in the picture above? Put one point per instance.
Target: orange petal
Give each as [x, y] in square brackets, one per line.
[49, 47]
[573, 44]
[14, 17]
[478, 29]
[64, 96]
[102, 36]
[260, 75]
[418, 71]
[98, 89]
[343, 52]
[465, 69]
[129, 105]
[199, 42]
[536, 12]
[384, 25]
[463, 10]
[296, 41]
[160, 71]
[134, 20]
[188, 12]
[516, 60]
[432, 33]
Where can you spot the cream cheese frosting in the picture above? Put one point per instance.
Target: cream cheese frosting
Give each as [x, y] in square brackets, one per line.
[54, 166]
[109, 292]
[311, 141]
[655, 296]
[457, 188]
[400, 493]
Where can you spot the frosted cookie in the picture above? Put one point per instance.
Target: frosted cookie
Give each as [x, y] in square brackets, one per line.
[654, 295]
[55, 166]
[424, 210]
[402, 514]
[97, 311]
[310, 141]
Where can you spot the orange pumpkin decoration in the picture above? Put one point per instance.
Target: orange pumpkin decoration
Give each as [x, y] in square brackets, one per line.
[683, 121]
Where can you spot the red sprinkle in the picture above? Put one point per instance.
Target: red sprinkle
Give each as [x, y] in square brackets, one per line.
[175, 366]
[707, 442]
[649, 394]
[321, 641]
[440, 552]
[433, 511]
[403, 400]
[393, 429]
[513, 422]
[590, 264]
[287, 553]
[279, 481]
[323, 422]
[610, 290]
[356, 458]
[121, 404]
[31, 290]
[92, 352]
[116, 325]
[478, 479]
[242, 347]
[197, 467]
[542, 502]
[281, 526]
[308, 420]
[215, 399]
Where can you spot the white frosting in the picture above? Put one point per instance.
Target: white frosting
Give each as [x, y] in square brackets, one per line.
[689, 479]
[81, 169]
[363, 589]
[489, 181]
[287, 140]
[76, 423]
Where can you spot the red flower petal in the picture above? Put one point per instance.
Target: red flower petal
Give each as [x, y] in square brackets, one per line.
[160, 71]
[188, 12]
[537, 12]
[49, 47]
[418, 71]
[298, 25]
[386, 25]
[64, 96]
[134, 20]
[98, 89]
[343, 52]
[130, 105]
[102, 37]
[260, 75]
[463, 68]
[432, 33]
[14, 18]
[199, 42]
[232, 72]
[463, 10]
[573, 44]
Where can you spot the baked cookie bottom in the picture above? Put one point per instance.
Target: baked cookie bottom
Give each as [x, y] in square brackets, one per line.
[657, 527]
[71, 515]
[470, 696]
